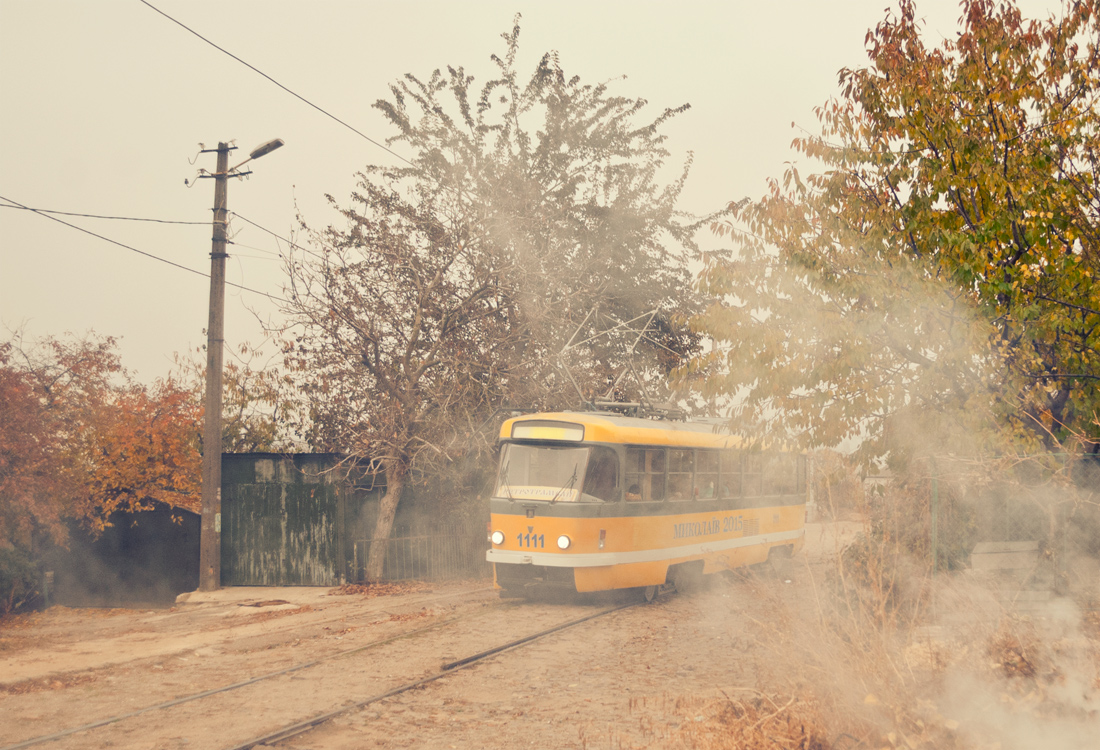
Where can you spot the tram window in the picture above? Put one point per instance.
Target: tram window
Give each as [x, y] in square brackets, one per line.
[655, 468]
[601, 480]
[706, 475]
[750, 474]
[535, 472]
[645, 474]
[681, 466]
[730, 480]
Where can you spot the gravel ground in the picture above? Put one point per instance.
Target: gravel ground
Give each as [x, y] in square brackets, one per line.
[621, 680]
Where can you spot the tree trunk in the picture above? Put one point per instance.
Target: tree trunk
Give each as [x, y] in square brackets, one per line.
[387, 509]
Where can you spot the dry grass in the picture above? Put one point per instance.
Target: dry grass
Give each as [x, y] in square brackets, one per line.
[883, 675]
[1016, 650]
[871, 653]
[758, 722]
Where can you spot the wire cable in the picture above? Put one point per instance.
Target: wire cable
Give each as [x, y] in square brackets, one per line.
[278, 237]
[301, 98]
[17, 204]
[265, 229]
[267, 254]
[100, 216]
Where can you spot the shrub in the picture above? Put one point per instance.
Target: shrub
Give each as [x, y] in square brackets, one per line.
[19, 579]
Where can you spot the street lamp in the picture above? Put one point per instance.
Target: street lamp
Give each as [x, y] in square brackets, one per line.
[210, 562]
[262, 150]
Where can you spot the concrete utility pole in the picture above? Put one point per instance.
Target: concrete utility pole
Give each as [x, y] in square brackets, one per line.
[210, 540]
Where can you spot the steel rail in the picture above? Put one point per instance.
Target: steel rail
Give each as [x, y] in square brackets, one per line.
[244, 683]
[359, 611]
[446, 670]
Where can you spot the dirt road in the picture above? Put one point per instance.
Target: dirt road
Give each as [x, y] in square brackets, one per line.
[272, 657]
[744, 662]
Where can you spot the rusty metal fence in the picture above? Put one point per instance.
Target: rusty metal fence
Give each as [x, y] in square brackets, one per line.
[433, 555]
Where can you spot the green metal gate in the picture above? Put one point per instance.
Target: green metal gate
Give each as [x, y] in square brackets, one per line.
[305, 519]
[284, 519]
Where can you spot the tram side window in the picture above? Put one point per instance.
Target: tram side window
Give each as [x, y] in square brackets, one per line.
[751, 473]
[601, 480]
[680, 474]
[706, 475]
[645, 474]
[731, 474]
[780, 477]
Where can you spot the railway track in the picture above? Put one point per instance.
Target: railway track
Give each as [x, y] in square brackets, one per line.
[299, 728]
[234, 686]
[271, 682]
[215, 629]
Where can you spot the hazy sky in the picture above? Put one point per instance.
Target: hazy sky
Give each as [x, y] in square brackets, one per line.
[103, 105]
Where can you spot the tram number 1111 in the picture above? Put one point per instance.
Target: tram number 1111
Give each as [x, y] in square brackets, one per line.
[533, 541]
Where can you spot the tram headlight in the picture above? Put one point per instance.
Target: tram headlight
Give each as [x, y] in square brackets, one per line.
[497, 537]
[564, 542]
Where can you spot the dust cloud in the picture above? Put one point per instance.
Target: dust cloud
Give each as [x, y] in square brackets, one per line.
[961, 606]
[860, 644]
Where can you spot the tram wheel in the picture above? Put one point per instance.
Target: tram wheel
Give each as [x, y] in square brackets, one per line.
[649, 593]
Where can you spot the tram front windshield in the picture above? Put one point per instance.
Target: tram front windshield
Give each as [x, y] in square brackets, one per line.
[557, 473]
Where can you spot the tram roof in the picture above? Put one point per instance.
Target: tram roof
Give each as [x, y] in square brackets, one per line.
[608, 427]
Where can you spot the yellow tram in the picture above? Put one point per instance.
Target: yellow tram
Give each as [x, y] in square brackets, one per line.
[593, 501]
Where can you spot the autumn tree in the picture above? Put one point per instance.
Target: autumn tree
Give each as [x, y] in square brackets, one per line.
[260, 403]
[32, 490]
[936, 278]
[141, 449]
[458, 279]
[98, 442]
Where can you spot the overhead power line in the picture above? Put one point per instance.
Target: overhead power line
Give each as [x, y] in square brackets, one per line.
[100, 216]
[49, 213]
[296, 95]
[16, 204]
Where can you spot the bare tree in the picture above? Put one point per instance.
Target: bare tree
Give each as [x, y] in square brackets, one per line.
[392, 313]
[459, 279]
